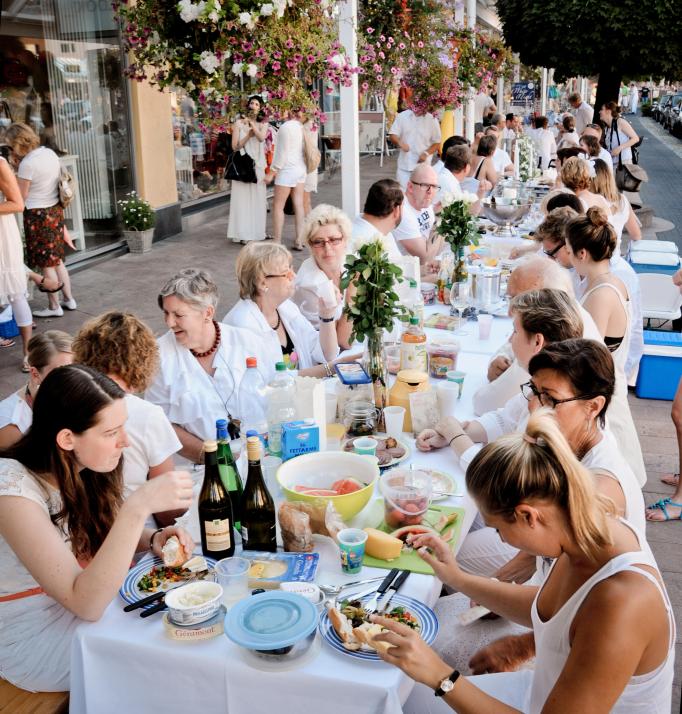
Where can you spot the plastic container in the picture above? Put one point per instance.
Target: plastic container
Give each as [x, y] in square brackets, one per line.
[428, 291]
[442, 357]
[413, 347]
[280, 409]
[252, 400]
[180, 608]
[407, 494]
[360, 418]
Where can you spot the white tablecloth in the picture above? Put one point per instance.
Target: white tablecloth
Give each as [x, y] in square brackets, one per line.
[123, 663]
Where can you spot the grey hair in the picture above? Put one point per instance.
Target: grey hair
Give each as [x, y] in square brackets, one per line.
[193, 286]
[323, 215]
[496, 119]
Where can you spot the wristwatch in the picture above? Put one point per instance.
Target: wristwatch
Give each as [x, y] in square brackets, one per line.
[447, 684]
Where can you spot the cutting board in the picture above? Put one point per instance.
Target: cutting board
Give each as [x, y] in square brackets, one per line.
[410, 560]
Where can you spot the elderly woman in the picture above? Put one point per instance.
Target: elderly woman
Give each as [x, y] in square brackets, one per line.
[123, 347]
[202, 361]
[45, 352]
[266, 285]
[327, 231]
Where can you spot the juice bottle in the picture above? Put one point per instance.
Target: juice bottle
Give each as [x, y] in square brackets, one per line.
[413, 347]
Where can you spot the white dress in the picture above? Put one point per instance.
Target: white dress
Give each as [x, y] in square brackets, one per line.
[12, 271]
[35, 631]
[248, 202]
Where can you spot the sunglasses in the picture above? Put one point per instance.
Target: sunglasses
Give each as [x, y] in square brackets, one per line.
[320, 243]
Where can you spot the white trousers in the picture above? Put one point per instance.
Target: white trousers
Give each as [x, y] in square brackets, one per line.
[484, 553]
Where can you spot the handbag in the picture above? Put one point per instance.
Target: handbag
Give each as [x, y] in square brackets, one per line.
[311, 152]
[65, 187]
[241, 167]
[629, 176]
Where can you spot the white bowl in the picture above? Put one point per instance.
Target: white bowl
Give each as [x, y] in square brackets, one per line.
[183, 612]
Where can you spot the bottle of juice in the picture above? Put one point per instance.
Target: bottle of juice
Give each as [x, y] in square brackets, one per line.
[413, 347]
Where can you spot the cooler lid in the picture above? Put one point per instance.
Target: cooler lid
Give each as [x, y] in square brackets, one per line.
[656, 337]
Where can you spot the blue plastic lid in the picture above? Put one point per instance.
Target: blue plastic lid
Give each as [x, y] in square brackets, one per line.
[654, 337]
[251, 432]
[271, 620]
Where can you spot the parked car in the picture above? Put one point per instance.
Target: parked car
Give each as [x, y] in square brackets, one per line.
[672, 111]
[659, 105]
[676, 129]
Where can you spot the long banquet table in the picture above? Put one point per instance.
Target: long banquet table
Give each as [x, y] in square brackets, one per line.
[125, 663]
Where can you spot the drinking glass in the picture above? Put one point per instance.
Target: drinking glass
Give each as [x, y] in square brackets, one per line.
[233, 576]
[459, 298]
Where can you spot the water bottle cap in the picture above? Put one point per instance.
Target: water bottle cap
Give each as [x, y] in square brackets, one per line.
[221, 423]
[413, 283]
[280, 367]
[251, 432]
[251, 362]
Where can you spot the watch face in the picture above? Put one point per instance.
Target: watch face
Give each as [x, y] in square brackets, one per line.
[446, 685]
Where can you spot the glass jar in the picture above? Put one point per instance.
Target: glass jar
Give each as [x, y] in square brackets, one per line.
[360, 418]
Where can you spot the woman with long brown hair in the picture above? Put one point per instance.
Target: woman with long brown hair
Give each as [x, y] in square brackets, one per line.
[603, 624]
[66, 536]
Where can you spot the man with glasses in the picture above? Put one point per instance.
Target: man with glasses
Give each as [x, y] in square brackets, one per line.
[415, 234]
[417, 134]
[582, 112]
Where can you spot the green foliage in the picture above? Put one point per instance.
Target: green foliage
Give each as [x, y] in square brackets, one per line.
[136, 213]
[586, 37]
[374, 276]
[457, 226]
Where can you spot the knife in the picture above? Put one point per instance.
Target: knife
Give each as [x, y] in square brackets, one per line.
[395, 586]
[371, 605]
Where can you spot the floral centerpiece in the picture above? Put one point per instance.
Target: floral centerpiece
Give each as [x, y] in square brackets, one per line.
[458, 228]
[372, 278]
[138, 220]
[528, 159]
[223, 52]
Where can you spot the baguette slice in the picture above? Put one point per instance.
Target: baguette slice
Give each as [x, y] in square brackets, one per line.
[366, 634]
[343, 628]
[173, 553]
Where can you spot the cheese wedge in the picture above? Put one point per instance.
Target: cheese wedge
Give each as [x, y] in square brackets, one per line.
[381, 545]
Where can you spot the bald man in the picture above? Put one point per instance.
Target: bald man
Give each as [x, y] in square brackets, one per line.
[506, 376]
[414, 233]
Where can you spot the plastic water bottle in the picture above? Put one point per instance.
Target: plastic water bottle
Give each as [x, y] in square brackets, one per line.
[280, 406]
[251, 398]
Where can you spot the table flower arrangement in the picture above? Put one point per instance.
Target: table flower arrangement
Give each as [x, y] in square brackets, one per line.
[458, 227]
[223, 52]
[527, 158]
[372, 278]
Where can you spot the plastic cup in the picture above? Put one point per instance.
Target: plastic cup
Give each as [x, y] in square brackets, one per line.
[457, 378]
[485, 322]
[394, 418]
[352, 546]
[393, 358]
[270, 464]
[365, 446]
[233, 575]
[448, 393]
[330, 403]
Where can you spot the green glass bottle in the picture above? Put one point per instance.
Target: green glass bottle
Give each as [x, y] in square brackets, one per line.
[228, 471]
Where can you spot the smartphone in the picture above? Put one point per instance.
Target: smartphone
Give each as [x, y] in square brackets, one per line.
[352, 373]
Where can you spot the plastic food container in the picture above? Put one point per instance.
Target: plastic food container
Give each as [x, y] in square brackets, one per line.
[442, 357]
[181, 609]
[428, 291]
[274, 625]
[407, 494]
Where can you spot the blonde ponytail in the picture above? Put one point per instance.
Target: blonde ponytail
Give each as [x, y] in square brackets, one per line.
[539, 464]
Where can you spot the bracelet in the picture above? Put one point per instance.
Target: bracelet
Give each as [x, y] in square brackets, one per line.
[327, 319]
[328, 369]
[456, 437]
[151, 540]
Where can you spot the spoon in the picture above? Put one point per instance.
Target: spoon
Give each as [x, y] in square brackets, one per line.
[333, 590]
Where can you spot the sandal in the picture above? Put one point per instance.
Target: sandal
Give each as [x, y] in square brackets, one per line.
[24, 366]
[662, 506]
[7, 343]
[43, 289]
[671, 479]
[297, 246]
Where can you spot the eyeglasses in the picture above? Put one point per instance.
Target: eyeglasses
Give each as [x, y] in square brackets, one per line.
[333, 241]
[290, 273]
[427, 186]
[529, 390]
[554, 251]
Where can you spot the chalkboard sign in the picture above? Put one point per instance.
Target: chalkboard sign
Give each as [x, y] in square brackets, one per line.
[523, 92]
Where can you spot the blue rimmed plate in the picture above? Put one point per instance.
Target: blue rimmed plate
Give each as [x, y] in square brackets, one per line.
[425, 615]
[131, 593]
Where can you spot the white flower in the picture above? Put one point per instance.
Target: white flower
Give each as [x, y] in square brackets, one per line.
[209, 62]
[189, 11]
[468, 197]
[359, 243]
[237, 68]
[213, 16]
[280, 7]
[251, 70]
[337, 60]
[246, 19]
[267, 9]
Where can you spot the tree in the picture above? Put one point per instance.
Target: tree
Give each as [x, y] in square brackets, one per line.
[611, 38]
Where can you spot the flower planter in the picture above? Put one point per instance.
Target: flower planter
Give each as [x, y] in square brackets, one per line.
[139, 241]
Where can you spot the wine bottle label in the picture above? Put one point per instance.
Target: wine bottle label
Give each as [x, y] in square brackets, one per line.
[218, 534]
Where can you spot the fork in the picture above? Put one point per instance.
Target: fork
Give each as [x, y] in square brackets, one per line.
[371, 607]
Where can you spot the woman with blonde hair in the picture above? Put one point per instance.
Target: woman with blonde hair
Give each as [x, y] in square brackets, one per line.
[46, 351]
[576, 174]
[121, 346]
[327, 232]
[266, 286]
[602, 620]
[38, 178]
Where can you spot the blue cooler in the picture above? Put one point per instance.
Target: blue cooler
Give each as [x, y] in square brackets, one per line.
[654, 262]
[660, 368]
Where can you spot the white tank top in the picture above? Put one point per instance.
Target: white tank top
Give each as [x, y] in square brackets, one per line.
[649, 693]
[606, 456]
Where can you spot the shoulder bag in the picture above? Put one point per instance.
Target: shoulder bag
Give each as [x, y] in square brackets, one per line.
[241, 167]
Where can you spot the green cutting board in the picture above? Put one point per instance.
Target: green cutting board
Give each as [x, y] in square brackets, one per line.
[410, 560]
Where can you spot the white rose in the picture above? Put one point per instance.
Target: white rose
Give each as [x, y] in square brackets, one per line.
[366, 240]
[245, 18]
[209, 62]
[267, 9]
[237, 68]
[251, 70]
[280, 7]
[468, 197]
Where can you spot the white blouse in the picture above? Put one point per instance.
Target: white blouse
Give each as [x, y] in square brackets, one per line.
[312, 283]
[306, 339]
[15, 410]
[191, 398]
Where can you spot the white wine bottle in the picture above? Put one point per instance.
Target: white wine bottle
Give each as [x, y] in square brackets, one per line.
[215, 509]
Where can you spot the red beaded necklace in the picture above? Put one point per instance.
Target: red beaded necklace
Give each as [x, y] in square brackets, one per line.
[216, 343]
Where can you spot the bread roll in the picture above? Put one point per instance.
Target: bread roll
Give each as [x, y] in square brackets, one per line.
[173, 553]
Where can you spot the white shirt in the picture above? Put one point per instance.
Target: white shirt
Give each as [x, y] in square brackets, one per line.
[508, 133]
[568, 138]
[306, 339]
[289, 148]
[481, 103]
[14, 410]
[191, 398]
[448, 184]
[606, 157]
[583, 116]
[311, 284]
[545, 145]
[414, 224]
[41, 167]
[152, 441]
[363, 229]
[501, 160]
[418, 132]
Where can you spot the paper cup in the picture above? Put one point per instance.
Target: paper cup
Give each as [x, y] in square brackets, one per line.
[394, 418]
[365, 446]
[485, 322]
[352, 545]
[448, 393]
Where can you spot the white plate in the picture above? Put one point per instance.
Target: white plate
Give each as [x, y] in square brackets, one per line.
[443, 482]
[394, 461]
